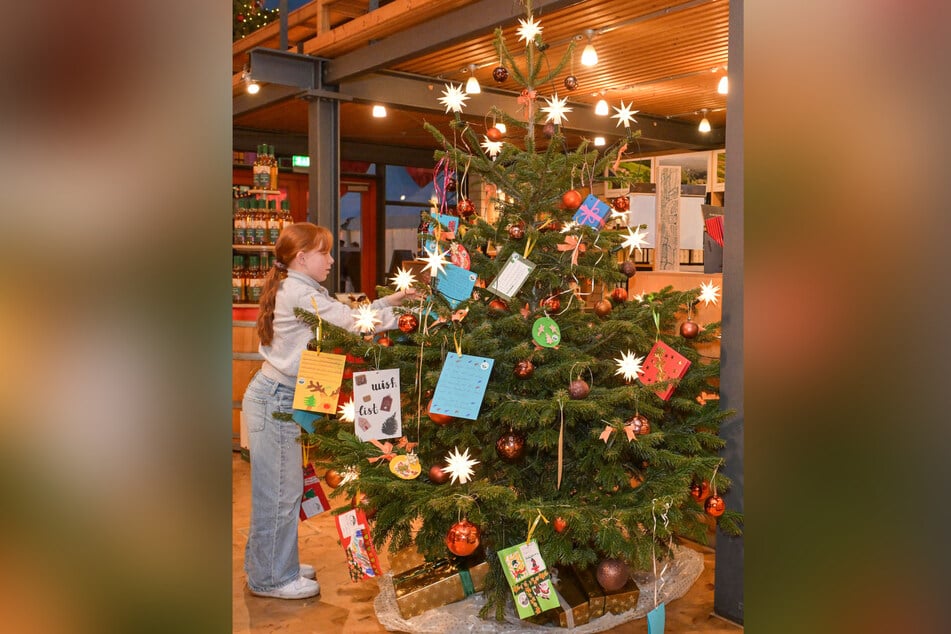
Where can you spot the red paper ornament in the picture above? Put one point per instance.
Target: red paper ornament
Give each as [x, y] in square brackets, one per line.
[602, 308]
[407, 323]
[578, 389]
[700, 491]
[612, 574]
[437, 475]
[332, 478]
[524, 369]
[439, 419]
[619, 295]
[494, 134]
[559, 524]
[511, 446]
[571, 199]
[462, 538]
[621, 203]
[714, 506]
[689, 329]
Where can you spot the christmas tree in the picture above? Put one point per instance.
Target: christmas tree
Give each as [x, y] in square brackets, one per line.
[248, 16]
[586, 425]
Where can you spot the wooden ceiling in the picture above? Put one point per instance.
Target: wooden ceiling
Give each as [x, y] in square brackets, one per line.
[661, 57]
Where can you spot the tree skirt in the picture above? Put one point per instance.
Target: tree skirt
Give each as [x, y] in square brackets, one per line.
[463, 616]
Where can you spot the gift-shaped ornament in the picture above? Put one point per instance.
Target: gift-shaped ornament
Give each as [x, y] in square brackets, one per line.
[663, 364]
[592, 212]
[314, 501]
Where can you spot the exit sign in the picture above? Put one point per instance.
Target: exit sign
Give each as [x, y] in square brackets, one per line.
[300, 161]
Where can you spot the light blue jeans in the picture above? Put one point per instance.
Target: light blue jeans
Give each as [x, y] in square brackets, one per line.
[277, 484]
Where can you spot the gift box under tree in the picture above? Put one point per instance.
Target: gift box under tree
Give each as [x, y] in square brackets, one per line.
[439, 583]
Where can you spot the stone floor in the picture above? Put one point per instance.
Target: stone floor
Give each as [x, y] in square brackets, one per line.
[347, 607]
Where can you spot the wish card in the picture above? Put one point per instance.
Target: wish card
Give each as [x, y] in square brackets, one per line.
[512, 276]
[461, 385]
[376, 404]
[318, 381]
[455, 284]
[529, 579]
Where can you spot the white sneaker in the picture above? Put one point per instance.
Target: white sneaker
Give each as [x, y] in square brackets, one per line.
[307, 571]
[299, 588]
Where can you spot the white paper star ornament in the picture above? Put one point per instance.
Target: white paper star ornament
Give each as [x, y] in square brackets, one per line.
[624, 115]
[708, 293]
[459, 466]
[629, 366]
[556, 109]
[529, 29]
[403, 280]
[453, 98]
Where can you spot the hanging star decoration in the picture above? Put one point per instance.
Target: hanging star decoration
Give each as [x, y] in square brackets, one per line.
[624, 115]
[492, 148]
[529, 29]
[459, 466]
[629, 366]
[347, 412]
[453, 98]
[634, 240]
[639, 297]
[435, 261]
[556, 109]
[708, 293]
[365, 318]
[403, 280]
[568, 226]
[349, 475]
[618, 215]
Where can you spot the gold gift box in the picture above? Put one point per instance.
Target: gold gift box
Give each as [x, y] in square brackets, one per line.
[569, 587]
[436, 584]
[622, 600]
[405, 559]
[592, 589]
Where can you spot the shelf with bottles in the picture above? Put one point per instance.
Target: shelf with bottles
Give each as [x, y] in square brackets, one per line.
[247, 277]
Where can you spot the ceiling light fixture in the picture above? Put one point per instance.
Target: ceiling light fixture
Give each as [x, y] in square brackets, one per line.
[472, 84]
[704, 123]
[599, 141]
[723, 87]
[250, 85]
[601, 108]
[501, 127]
[379, 111]
[589, 56]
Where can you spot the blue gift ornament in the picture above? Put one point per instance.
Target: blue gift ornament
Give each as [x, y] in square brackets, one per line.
[592, 212]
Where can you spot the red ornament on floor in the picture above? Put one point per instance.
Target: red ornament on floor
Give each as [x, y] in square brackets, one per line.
[332, 478]
[462, 538]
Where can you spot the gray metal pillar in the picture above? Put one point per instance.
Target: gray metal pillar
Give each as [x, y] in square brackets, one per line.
[323, 177]
[728, 585]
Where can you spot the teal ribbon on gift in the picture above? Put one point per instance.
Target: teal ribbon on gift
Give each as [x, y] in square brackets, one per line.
[467, 586]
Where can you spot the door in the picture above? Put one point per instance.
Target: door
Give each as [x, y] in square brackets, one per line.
[358, 236]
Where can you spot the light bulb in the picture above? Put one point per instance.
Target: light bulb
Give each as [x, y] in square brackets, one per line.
[723, 87]
[704, 125]
[253, 87]
[500, 127]
[589, 56]
[599, 141]
[379, 111]
[472, 86]
[601, 107]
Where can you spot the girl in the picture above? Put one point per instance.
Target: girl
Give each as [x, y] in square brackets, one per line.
[302, 261]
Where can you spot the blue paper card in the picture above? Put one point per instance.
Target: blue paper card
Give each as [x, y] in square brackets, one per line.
[306, 419]
[592, 212]
[449, 223]
[455, 284]
[461, 385]
[655, 620]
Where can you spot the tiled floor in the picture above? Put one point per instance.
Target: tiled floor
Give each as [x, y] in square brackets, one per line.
[347, 607]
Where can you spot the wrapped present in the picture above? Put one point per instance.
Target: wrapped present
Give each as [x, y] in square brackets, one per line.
[622, 600]
[436, 584]
[592, 212]
[592, 589]
[574, 608]
[663, 363]
[405, 559]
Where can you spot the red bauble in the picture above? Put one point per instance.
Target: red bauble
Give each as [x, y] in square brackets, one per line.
[548, 130]
[571, 199]
[385, 341]
[621, 203]
[439, 419]
[602, 308]
[689, 329]
[619, 295]
[559, 524]
[494, 134]
[571, 82]
[360, 500]
[451, 185]
[578, 389]
[552, 303]
[498, 306]
[640, 425]
[516, 232]
[332, 478]
[636, 480]
[714, 506]
[407, 323]
[700, 491]
[510, 446]
[462, 538]
[437, 475]
[524, 369]
[500, 74]
[465, 207]
[612, 574]
[629, 268]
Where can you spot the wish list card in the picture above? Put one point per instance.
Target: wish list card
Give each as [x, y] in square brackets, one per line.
[376, 404]
[318, 381]
[455, 285]
[461, 385]
[512, 276]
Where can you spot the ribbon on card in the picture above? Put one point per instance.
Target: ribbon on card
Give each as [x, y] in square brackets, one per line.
[573, 244]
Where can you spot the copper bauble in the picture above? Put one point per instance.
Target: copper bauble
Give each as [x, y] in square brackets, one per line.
[578, 389]
[451, 185]
[621, 203]
[407, 323]
[619, 295]
[510, 446]
[640, 425]
[602, 308]
[612, 574]
[636, 480]
[494, 134]
[462, 538]
[437, 475]
[439, 419]
[465, 207]
[524, 369]
[714, 506]
[360, 500]
[516, 232]
[548, 130]
[332, 478]
[498, 306]
[500, 74]
[385, 341]
[689, 329]
[552, 303]
[700, 491]
[628, 267]
[571, 199]
[559, 524]
[571, 82]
